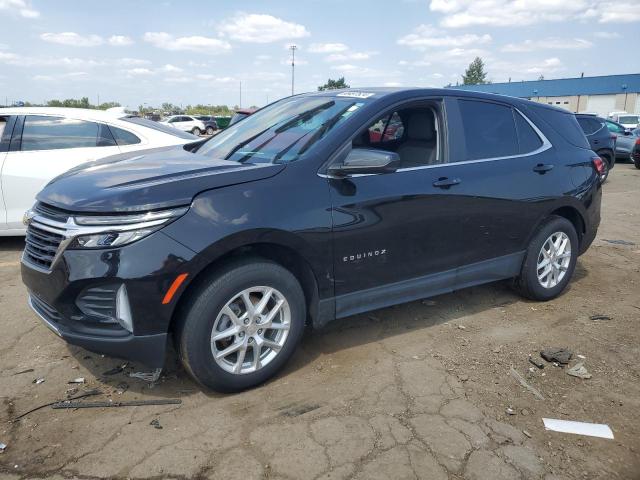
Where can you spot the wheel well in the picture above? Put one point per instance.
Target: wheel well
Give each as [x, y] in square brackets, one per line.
[574, 217]
[284, 256]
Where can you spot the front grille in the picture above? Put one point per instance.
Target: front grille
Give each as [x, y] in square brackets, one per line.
[41, 246]
[45, 310]
[51, 212]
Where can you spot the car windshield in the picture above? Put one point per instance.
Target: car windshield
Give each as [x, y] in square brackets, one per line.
[634, 119]
[281, 132]
[161, 127]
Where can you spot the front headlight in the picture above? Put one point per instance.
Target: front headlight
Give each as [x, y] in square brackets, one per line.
[106, 231]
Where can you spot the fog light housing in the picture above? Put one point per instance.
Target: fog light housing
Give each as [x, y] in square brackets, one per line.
[123, 310]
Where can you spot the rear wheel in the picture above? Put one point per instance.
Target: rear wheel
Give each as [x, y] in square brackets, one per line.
[607, 166]
[196, 131]
[549, 261]
[636, 161]
[243, 325]
[210, 131]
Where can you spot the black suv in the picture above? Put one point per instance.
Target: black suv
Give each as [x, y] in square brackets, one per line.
[210, 124]
[317, 207]
[601, 140]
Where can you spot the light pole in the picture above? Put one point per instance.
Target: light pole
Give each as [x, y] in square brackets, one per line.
[293, 49]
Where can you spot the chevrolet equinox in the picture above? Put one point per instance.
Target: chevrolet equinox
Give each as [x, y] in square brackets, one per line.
[317, 207]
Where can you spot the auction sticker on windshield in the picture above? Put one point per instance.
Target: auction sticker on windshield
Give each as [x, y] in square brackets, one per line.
[356, 94]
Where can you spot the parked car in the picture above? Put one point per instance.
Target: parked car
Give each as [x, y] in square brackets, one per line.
[241, 114]
[625, 139]
[210, 124]
[295, 215]
[628, 120]
[635, 152]
[39, 143]
[600, 139]
[186, 123]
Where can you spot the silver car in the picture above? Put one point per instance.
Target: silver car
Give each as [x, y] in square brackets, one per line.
[626, 138]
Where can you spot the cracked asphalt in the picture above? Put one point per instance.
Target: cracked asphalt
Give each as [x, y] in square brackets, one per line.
[417, 391]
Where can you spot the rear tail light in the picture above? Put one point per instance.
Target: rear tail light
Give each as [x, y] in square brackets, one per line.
[638, 141]
[599, 165]
[614, 137]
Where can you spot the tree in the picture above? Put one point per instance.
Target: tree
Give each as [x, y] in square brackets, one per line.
[333, 84]
[475, 74]
[541, 77]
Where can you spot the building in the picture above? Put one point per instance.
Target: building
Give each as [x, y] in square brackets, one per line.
[600, 95]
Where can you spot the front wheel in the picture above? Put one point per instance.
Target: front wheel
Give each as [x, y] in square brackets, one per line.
[243, 325]
[196, 131]
[210, 131]
[549, 261]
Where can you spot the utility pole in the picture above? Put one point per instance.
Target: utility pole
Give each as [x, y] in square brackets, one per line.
[98, 101]
[240, 104]
[293, 49]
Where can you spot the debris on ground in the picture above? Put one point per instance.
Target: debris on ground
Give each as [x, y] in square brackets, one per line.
[130, 403]
[510, 411]
[38, 381]
[116, 370]
[581, 356]
[579, 428]
[524, 383]
[156, 424]
[28, 370]
[619, 242]
[559, 355]
[600, 317]
[71, 392]
[122, 387]
[536, 362]
[579, 371]
[150, 377]
[3, 447]
[462, 327]
[76, 380]
[82, 395]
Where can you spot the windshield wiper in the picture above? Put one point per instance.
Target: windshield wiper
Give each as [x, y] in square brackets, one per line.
[246, 142]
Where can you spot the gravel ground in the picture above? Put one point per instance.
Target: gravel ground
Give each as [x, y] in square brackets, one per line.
[417, 391]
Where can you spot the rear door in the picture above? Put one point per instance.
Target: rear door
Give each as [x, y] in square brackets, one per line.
[43, 147]
[6, 128]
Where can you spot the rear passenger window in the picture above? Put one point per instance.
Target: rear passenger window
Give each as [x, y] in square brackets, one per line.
[489, 130]
[123, 137]
[527, 137]
[53, 133]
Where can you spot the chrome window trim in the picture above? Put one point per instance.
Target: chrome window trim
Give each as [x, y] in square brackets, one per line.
[546, 145]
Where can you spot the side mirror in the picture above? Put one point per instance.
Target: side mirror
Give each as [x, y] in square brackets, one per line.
[366, 160]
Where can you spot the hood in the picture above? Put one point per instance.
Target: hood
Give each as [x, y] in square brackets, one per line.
[152, 179]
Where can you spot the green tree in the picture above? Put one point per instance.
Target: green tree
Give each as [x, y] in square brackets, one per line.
[333, 84]
[475, 74]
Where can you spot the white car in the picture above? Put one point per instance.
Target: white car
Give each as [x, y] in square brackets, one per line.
[186, 123]
[38, 144]
[627, 120]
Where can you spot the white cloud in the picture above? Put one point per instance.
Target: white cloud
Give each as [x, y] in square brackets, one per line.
[392, 84]
[607, 35]
[72, 39]
[548, 65]
[551, 43]
[196, 43]
[120, 40]
[132, 62]
[426, 36]
[260, 28]
[347, 57]
[213, 78]
[21, 7]
[64, 76]
[171, 68]
[140, 72]
[178, 79]
[509, 13]
[327, 48]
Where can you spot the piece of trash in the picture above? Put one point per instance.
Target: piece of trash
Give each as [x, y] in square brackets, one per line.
[76, 380]
[532, 370]
[600, 317]
[527, 434]
[3, 447]
[579, 371]
[510, 411]
[116, 370]
[581, 356]
[150, 377]
[82, 395]
[131, 403]
[462, 327]
[28, 370]
[524, 383]
[619, 242]
[122, 387]
[38, 381]
[156, 424]
[560, 355]
[71, 392]
[579, 428]
[536, 362]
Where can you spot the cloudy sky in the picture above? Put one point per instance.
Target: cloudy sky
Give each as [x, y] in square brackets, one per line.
[141, 51]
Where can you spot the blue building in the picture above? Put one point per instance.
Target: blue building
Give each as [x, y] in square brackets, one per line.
[600, 95]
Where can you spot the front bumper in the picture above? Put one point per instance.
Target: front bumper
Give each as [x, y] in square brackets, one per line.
[147, 268]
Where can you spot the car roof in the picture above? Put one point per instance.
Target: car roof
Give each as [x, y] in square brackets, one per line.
[79, 113]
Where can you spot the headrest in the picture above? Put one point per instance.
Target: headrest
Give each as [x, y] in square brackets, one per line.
[420, 126]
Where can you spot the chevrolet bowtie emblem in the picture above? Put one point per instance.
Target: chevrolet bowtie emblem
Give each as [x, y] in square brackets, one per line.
[28, 216]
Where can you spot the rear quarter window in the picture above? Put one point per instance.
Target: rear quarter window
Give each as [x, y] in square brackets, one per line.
[123, 137]
[564, 123]
[489, 130]
[528, 139]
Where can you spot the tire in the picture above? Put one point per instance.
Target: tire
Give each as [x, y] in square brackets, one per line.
[527, 283]
[196, 131]
[636, 161]
[607, 168]
[210, 131]
[195, 342]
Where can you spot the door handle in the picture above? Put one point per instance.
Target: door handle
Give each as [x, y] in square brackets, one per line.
[444, 182]
[542, 168]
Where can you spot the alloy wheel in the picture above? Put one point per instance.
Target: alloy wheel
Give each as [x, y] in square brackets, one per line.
[554, 259]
